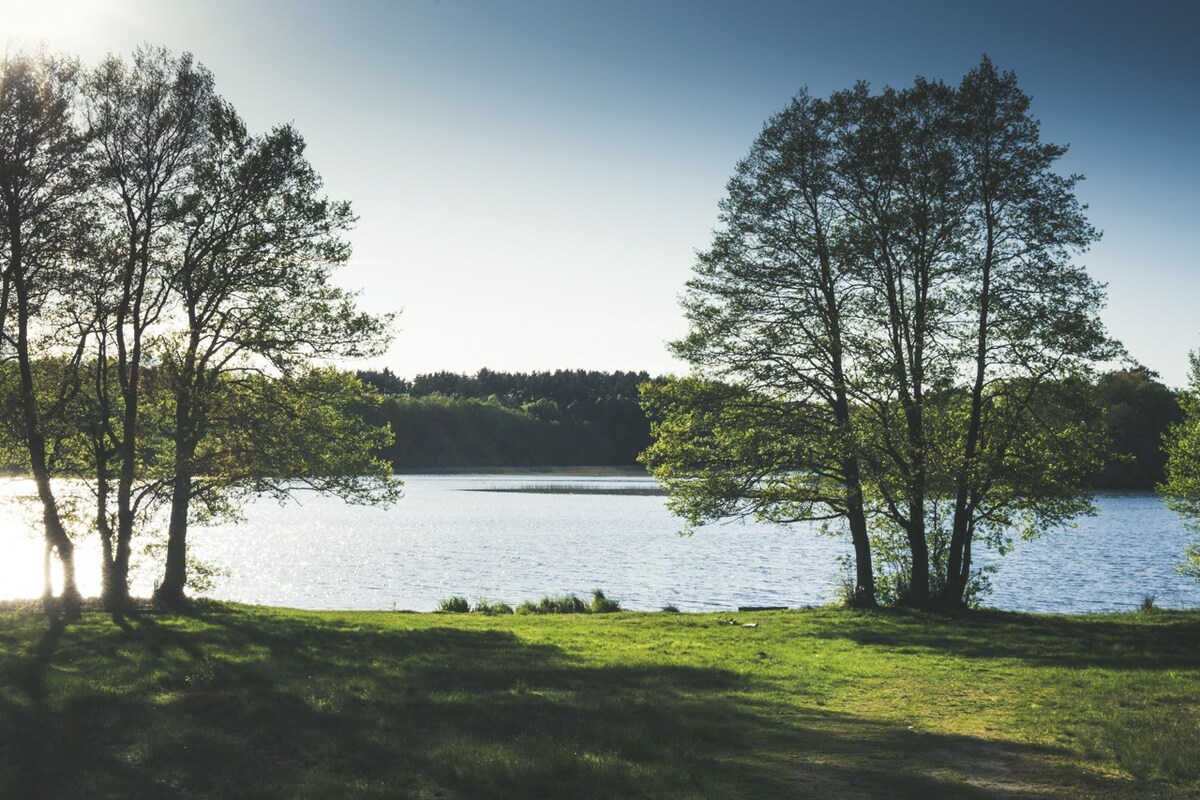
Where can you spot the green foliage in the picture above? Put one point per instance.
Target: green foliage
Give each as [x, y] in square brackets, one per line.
[888, 331]
[203, 576]
[566, 604]
[1191, 565]
[722, 451]
[454, 605]
[565, 418]
[601, 604]
[443, 432]
[1138, 412]
[1182, 486]
[491, 609]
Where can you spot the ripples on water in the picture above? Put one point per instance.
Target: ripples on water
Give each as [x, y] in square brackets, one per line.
[441, 540]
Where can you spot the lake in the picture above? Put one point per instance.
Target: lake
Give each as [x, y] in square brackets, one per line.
[484, 537]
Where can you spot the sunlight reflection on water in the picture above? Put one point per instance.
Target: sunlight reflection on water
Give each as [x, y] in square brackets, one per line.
[440, 540]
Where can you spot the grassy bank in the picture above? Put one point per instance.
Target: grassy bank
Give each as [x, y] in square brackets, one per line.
[252, 702]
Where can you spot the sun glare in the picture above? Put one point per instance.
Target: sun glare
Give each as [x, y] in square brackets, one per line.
[50, 22]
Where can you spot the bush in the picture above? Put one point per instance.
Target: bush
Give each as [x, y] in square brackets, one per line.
[671, 609]
[454, 605]
[569, 604]
[602, 605]
[492, 609]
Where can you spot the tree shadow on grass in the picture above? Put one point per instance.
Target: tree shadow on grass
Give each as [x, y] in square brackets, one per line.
[1161, 641]
[238, 705]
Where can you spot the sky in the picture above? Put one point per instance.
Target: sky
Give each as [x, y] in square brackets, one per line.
[534, 179]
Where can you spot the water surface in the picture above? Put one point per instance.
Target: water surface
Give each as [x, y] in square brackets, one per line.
[444, 539]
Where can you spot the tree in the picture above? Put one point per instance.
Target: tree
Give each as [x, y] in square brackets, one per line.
[1182, 485]
[41, 207]
[149, 121]
[768, 311]
[166, 299]
[1139, 410]
[1035, 326]
[250, 285]
[892, 297]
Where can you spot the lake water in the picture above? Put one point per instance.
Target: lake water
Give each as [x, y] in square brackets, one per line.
[445, 537]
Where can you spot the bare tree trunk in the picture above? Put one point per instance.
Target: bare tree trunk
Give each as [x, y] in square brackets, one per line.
[55, 533]
[115, 576]
[47, 576]
[864, 571]
[171, 591]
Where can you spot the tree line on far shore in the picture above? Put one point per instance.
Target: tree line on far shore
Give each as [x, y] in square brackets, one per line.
[446, 420]
[562, 418]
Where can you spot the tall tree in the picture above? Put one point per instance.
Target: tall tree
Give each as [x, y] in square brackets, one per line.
[250, 290]
[42, 184]
[1033, 312]
[149, 121]
[768, 308]
[957, 330]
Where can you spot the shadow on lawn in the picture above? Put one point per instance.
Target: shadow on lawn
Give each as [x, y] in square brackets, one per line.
[236, 705]
[1161, 641]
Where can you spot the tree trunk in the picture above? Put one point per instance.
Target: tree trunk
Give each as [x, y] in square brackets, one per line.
[55, 533]
[115, 564]
[918, 583]
[170, 592]
[864, 578]
[958, 568]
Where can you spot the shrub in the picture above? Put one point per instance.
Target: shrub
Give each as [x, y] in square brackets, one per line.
[602, 605]
[1148, 602]
[454, 605]
[567, 604]
[570, 604]
[671, 609]
[492, 609]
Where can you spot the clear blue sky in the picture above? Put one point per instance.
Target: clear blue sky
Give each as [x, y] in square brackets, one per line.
[534, 178]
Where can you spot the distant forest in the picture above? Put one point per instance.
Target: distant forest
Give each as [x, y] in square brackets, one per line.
[501, 419]
[566, 418]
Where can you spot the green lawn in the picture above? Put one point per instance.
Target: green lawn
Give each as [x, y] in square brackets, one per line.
[254, 702]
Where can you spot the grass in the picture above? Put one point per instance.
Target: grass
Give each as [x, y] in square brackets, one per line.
[253, 702]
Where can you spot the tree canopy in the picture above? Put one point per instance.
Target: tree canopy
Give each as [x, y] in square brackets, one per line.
[174, 272]
[563, 418]
[892, 296]
[1182, 485]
